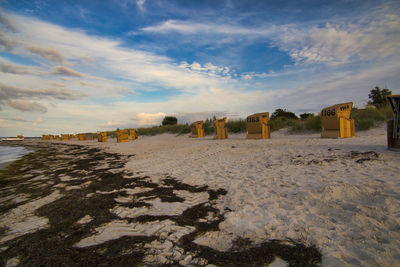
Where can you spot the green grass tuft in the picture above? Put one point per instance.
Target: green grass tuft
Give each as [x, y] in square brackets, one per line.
[281, 122]
[175, 129]
[364, 124]
[366, 118]
[313, 123]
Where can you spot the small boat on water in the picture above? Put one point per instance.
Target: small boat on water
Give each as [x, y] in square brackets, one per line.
[18, 138]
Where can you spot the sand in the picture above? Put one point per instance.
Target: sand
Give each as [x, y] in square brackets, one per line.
[341, 195]
[21, 220]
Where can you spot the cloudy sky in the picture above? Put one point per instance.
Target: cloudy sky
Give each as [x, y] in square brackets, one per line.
[79, 66]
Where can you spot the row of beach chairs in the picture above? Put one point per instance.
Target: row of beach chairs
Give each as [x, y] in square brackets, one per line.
[122, 136]
[335, 122]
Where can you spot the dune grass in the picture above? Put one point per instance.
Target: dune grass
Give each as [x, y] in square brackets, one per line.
[310, 124]
[281, 122]
[175, 129]
[236, 126]
[151, 131]
[369, 117]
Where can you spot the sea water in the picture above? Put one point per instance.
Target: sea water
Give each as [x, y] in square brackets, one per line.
[11, 153]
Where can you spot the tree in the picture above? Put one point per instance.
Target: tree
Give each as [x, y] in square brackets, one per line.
[283, 114]
[378, 96]
[169, 120]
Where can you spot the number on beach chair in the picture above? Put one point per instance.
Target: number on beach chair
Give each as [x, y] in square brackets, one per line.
[257, 126]
[336, 122]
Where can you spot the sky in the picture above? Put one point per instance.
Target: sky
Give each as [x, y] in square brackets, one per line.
[88, 66]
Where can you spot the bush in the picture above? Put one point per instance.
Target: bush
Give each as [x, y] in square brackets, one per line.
[313, 123]
[386, 112]
[209, 130]
[169, 120]
[281, 122]
[176, 129]
[368, 117]
[297, 127]
[368, 113]
[236, 126]
[305, 116]
[364, 124]
[283, 113]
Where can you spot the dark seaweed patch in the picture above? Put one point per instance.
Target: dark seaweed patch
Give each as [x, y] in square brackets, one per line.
[244, 253]
[357, 156]
[361, 157]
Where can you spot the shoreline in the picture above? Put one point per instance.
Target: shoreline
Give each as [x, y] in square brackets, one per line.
[4, 165]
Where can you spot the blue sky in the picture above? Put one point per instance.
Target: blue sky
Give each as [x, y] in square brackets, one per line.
[77, 66]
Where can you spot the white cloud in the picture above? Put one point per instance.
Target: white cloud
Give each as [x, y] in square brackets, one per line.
[13, 68]
[47, 53]
[209, 69]
[333, 43]
[26, 105]
[342, 43]
[61, 70]
[114, 124]
[191, 27]
[140, 4]
[148, 119]
[58, 84]
[21, 98]
[11, 92]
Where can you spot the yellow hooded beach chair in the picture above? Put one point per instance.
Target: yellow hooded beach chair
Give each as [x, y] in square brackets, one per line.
[336, 122]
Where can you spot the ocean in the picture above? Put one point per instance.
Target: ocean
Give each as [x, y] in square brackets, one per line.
[11, 153]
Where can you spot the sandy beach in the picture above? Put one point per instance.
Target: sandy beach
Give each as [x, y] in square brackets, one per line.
[177, 200]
